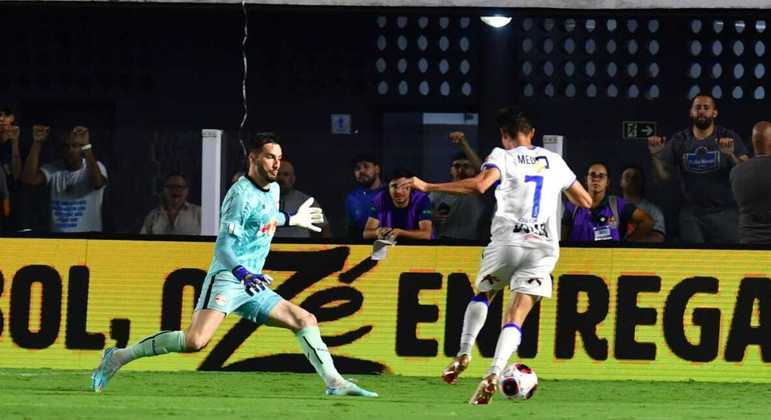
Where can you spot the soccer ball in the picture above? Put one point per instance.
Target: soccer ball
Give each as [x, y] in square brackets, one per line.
[518, 382]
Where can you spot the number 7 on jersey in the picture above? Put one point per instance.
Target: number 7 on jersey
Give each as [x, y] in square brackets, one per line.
[538, 180]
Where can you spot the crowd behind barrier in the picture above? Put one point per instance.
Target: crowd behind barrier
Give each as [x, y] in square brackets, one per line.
[725, 190]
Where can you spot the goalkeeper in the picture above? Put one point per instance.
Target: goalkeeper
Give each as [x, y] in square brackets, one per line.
[234, 283]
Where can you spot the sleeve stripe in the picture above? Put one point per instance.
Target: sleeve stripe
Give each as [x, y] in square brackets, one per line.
[488, 165]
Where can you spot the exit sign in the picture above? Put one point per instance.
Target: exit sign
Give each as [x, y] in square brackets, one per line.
[638, 129]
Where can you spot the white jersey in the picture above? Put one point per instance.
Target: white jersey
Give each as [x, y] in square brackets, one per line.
[528, 196]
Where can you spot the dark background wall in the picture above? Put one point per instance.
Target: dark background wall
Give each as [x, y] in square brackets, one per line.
[148, 78]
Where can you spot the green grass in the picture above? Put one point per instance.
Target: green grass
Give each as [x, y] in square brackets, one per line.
[44, 394]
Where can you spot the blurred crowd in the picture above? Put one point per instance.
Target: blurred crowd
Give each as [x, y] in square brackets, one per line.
[726, 192]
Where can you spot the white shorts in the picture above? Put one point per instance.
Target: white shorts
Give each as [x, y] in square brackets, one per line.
[524, 270]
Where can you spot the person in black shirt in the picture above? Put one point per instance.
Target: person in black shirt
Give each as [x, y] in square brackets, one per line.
[751, 184]
[703, 155]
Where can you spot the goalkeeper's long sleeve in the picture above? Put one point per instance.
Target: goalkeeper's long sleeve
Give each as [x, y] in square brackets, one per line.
[224, 247]
[282, 219]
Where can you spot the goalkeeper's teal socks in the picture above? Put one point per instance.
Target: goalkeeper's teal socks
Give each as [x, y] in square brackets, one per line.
[318, 354]
[154, 345]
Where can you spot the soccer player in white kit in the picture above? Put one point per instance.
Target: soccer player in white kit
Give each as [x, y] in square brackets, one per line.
[524, 246]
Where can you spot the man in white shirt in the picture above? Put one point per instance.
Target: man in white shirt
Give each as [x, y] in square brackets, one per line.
[524, 247]
[175, 216]
[76, 182]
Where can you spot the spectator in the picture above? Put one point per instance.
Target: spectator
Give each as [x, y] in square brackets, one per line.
[400, 212]
[10, 156]
[175, 216]
[76, 181]
[610, 216]
[458, 138]
[460, 216]
[704, 155]
[10, 166]
[366, 172]
[633, 190]
[5, 203]
[236, 176]
[291, 200]
[752, 189]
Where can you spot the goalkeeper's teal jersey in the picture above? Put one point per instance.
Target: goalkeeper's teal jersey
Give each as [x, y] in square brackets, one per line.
[248, 220]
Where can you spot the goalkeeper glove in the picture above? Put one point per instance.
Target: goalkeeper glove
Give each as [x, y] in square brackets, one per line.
[252, 282]
[306, 216]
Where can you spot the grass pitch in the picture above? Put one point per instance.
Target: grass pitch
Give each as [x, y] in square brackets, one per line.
[48, 394]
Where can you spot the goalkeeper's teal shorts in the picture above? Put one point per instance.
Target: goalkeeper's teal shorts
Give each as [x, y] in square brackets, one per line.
[225, 293]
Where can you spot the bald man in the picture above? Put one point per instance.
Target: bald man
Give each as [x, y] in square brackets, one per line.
[751, 184]
[290, 201]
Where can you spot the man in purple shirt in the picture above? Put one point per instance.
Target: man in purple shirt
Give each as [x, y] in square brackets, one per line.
[400, 212]
[609, 218]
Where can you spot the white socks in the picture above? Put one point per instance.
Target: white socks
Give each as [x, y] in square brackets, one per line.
[473, 321]
[508, 342]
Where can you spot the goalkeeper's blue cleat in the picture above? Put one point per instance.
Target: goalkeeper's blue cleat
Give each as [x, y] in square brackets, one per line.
[106, 369]
[350, 388]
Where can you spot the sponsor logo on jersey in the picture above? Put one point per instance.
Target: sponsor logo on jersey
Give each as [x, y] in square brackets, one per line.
[532, 228]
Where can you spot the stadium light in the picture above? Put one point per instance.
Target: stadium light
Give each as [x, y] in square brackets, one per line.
[496, 21]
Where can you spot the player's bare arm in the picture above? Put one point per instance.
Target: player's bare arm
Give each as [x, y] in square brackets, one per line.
[476, 185]
[578, 195]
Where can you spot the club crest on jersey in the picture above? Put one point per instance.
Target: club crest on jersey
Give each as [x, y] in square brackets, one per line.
[220, 300]
[268, 229]
[541, 163]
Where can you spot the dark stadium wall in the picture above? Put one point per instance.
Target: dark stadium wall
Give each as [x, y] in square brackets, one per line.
[147, 78]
